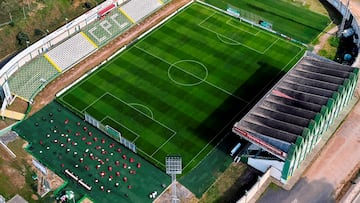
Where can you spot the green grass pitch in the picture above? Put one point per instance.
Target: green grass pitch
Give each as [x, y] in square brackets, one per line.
[179, 89]
[294, 21]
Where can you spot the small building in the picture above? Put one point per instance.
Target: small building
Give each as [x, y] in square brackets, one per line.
[17, 199]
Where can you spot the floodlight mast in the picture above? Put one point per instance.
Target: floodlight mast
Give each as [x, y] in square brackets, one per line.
[173, 166]
[174, 198]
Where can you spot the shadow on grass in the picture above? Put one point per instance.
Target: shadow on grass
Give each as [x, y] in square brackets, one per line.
[221, 121]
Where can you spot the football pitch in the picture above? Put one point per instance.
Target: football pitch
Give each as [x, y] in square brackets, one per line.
[295, 21]
[179, 89]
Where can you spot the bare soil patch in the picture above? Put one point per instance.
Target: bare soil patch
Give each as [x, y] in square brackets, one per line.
[34, 197]
[5, 154]
[17, 179]
[18, 105]
[86, 200]
[183, 194]
[323, 40]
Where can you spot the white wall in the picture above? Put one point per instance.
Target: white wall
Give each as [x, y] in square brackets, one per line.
[264, 164]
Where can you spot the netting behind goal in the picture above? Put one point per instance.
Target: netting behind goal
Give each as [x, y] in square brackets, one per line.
[111, 132]
[238, 12]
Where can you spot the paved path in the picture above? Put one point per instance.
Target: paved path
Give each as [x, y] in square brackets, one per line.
[13, 114]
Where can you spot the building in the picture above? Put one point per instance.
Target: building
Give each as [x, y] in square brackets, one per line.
[289, 121]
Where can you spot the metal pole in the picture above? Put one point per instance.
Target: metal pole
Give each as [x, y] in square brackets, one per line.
[174, 198]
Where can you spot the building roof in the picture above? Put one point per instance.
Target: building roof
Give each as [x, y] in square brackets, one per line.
[17, 199]
[276, 121]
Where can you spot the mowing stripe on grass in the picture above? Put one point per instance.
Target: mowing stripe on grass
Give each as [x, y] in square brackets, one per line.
[106, 121]
[227, 92]
[126, 115]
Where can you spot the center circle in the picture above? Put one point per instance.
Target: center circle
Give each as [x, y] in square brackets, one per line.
[187, 72]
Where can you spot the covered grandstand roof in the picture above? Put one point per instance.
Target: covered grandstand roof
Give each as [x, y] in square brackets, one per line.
[281, 116]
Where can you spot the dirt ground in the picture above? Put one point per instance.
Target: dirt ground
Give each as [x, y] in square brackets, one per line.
[183, 194]
[323, 39]
[86, 200]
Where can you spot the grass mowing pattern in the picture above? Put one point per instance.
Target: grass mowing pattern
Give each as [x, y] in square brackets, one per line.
[179, 88]
[294, 21]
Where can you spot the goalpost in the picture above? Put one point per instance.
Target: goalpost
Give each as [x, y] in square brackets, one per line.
[110, 131]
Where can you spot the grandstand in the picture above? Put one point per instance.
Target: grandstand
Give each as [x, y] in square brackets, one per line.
[36, 68]
[290, 120]
[32, 77]
[107, 28]
[136, 10]
[71, 51]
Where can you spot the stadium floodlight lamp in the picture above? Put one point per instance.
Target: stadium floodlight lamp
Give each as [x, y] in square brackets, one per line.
[173, 165]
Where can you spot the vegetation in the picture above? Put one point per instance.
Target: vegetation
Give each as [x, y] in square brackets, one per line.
[16, 174]
[223, 189]
[23, 38]
[24, 16]
[330, 48]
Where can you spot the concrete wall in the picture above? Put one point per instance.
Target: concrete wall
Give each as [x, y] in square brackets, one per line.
[259, 186]
[341, 7]
[263, 164]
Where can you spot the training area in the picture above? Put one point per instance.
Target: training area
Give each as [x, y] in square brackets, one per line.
[92, 163]
[178, 90]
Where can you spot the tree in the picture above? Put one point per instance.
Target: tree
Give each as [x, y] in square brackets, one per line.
[6, 6]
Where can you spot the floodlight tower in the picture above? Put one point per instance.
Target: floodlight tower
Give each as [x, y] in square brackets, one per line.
[173, 166]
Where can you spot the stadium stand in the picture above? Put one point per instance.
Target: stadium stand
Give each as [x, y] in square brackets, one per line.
[107, 28]
[290, 120]
[139, 9]
[71, 51]
[106, 10]
[28, 72]
[31, 77]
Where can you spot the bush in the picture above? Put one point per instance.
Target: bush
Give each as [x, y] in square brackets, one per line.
[334, 41]
[22, 38]
[87, 5]
[38, 32]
